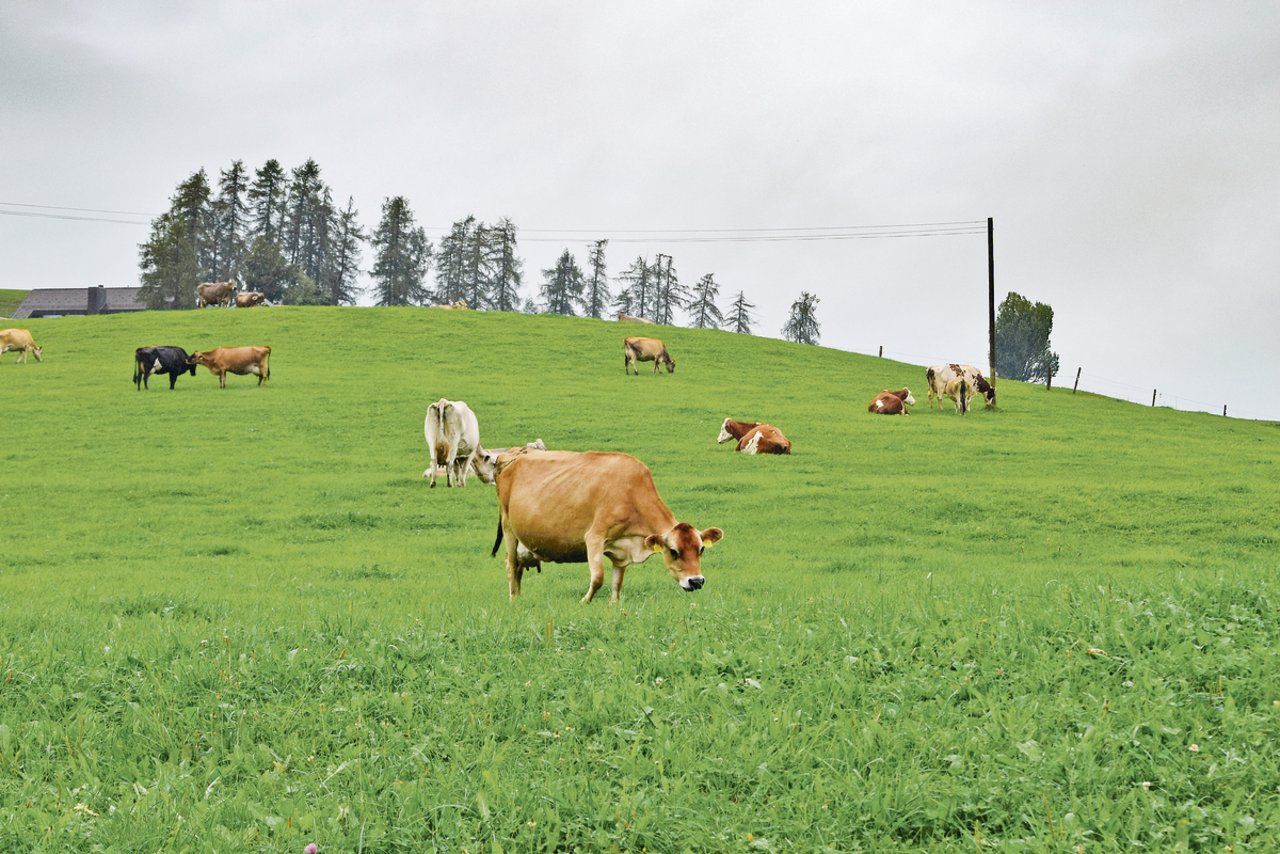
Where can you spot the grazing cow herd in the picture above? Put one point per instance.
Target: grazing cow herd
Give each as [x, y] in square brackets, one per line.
[554, 506]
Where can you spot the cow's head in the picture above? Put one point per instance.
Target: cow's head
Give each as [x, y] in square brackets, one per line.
[725, 435]
[671, 363]
[986, 390]
[485, 463]
[199, 359]
[681, 550]
[906, 397]
[38, 352]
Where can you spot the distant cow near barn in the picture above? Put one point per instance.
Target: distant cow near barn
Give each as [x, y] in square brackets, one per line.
[235, 360]
[891, 402]
[631, 318]
[249, 299]
[939, 375]
[636, 349]
[453, 441]
[173, 361]
[20, 340]
[216, 293]
[567, 507]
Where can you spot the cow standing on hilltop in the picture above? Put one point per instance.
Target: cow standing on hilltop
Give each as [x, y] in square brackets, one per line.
[636, 349]
[939, 375]
[20, 340]
[216, 293]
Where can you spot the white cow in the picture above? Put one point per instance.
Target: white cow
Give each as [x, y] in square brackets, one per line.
[939, 375]
[453, 440]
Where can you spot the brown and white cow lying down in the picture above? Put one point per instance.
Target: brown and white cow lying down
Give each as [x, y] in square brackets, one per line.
[216, 293]
[568, 507]
[636, 349]
[235, 360]
[249, 299]
[20, 340]
[754, 437]
[891, 402]
[939, 375]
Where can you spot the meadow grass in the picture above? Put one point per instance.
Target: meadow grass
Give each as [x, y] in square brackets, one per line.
[9, 301]
[239, 620]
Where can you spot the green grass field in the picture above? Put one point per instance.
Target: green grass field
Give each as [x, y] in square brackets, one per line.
[10, 300]
[239, 620]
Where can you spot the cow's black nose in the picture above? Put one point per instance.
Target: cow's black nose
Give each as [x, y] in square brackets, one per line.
[696, 582]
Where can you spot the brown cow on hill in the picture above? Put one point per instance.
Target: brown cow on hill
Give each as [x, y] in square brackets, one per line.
[249, 299]
[567, 507]
[636, 349]
[754, 437]
[20, 340]
[216, 293]
[235, 360]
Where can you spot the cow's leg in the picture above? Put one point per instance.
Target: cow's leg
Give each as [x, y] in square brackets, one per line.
[515, 570]
[173, 379]
[595, 560]
[615, 589]
[222, 379]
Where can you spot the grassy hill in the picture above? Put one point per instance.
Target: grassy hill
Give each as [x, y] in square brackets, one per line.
[10, 300]
[240, 617]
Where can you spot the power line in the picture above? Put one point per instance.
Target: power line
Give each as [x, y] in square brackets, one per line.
[66, 216]
[81, 210]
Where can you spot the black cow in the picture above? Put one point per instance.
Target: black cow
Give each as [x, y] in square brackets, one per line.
[160, 360]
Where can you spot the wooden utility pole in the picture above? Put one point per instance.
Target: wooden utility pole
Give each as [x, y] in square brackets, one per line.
[991, 297]
[1153, 396]
[1076, 384]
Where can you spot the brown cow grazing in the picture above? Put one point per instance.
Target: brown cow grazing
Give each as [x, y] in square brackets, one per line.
[939, 375]
[960, 392]
[249, 299]
[216, 293]
[235, 360]
[891, 402]
[20, 340]
[567, 507]
[631, 318]
[764, 439]
[635, 349]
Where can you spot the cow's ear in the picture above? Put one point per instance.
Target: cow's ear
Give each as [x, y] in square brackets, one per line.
[711, 536]
[653, 541]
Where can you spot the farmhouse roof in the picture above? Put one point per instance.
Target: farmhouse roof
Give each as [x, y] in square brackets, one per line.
[43, 302]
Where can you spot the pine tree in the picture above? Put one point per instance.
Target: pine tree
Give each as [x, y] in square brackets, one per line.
[170, 269]
[192, 202]
[596, 299]
[507, 269]
[669, 294]
[451, 260]
[306, 219]
[562, 285]
[230, 220]
[263, 268]
[636, 297]
[740, 317]
[802, 323]
[703, 311]
[402, 255]
[342, 263]
[477, 271]
[267, 197]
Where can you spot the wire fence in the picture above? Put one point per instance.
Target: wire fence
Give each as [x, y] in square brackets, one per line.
[1107, 387]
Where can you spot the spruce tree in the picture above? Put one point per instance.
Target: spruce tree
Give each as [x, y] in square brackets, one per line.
[636, 296]
[170, 269]
[451, 260]
[263, 268]
[802, 322]
[506, 268]
[740, 317]
[342, 263]
[230, 218]
[267, 197]
[192, 201]
[669, 294]
[596, 299]
[562, 285]
[402, 255]
[703, 311]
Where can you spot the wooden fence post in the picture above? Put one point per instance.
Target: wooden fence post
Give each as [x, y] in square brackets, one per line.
[881, 351]
[1153, 397]
[1076, 384]
[1224, 410]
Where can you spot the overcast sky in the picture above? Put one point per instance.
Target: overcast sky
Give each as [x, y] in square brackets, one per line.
[1129, 153]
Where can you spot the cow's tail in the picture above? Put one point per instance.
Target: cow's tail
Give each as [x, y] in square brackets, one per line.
[964, 402]
[928, 375]
[137, 369]
[498, 541]
[266, 363]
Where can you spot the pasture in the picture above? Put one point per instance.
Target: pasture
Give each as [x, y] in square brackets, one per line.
[239, 620]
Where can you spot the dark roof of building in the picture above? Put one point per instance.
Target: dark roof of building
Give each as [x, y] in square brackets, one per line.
[45, 301]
